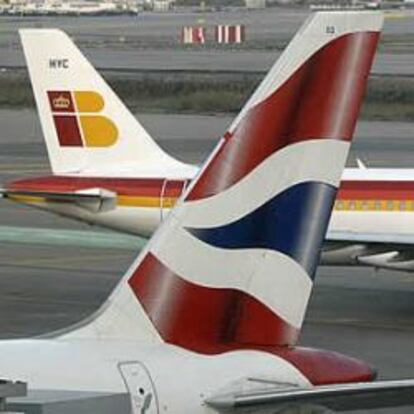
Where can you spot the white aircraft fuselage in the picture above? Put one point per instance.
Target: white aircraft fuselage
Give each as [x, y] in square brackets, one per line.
[369, 200]
[178, 381]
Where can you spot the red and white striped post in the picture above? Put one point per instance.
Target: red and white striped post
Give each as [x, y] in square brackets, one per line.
[227, 34]
[193, 35]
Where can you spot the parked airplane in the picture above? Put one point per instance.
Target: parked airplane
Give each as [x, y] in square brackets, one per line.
[372, 220]
[107, 170]
[217, 333]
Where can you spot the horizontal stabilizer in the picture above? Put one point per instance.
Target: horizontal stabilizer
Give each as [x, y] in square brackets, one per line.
[394, 251]
[342, 397]
[87, 129]
[92, 199]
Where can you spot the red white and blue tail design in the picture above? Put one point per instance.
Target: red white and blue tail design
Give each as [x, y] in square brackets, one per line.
[233, 265]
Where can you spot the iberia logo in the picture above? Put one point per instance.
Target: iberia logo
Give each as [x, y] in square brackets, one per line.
[77, 119]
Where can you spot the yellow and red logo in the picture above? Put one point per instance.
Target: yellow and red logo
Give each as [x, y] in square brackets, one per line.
[77, 119]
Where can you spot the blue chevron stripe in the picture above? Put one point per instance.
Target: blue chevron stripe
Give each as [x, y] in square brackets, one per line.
[294, 223]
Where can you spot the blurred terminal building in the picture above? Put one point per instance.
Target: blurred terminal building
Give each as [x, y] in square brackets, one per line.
[83, 7]
[107, 7]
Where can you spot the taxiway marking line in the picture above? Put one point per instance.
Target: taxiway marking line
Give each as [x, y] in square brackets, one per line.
[73, 238]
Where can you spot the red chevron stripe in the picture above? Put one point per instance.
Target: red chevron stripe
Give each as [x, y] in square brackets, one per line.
[215, 321]
[320, 100]
[205, 319]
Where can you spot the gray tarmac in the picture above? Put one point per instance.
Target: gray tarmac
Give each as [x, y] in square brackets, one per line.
[191, 137]
[43, 287]
[199, 60]
[151, 41]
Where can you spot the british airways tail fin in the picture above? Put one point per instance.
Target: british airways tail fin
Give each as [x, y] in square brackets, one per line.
[232, 267]
[87, 129]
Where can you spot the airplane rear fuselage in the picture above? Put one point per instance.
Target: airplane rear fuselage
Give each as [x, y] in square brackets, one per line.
[368, 201]
[140, 205]
[171, 379]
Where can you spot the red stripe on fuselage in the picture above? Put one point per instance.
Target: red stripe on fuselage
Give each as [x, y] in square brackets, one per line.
[320, 100]
[349, 190]
[122, 186]
[376, 190]
[204, 319]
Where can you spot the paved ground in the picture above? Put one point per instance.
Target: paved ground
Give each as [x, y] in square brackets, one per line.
[190, 137]
[151, 41]
[44, 286]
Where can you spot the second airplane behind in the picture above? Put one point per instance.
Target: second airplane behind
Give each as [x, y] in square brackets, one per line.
[107, 170]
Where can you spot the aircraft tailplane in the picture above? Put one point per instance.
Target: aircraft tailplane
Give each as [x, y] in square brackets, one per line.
[232, 267]
[87, 129]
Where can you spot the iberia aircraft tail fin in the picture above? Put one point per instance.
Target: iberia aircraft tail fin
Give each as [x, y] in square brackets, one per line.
[232, 266]
[88, 130]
